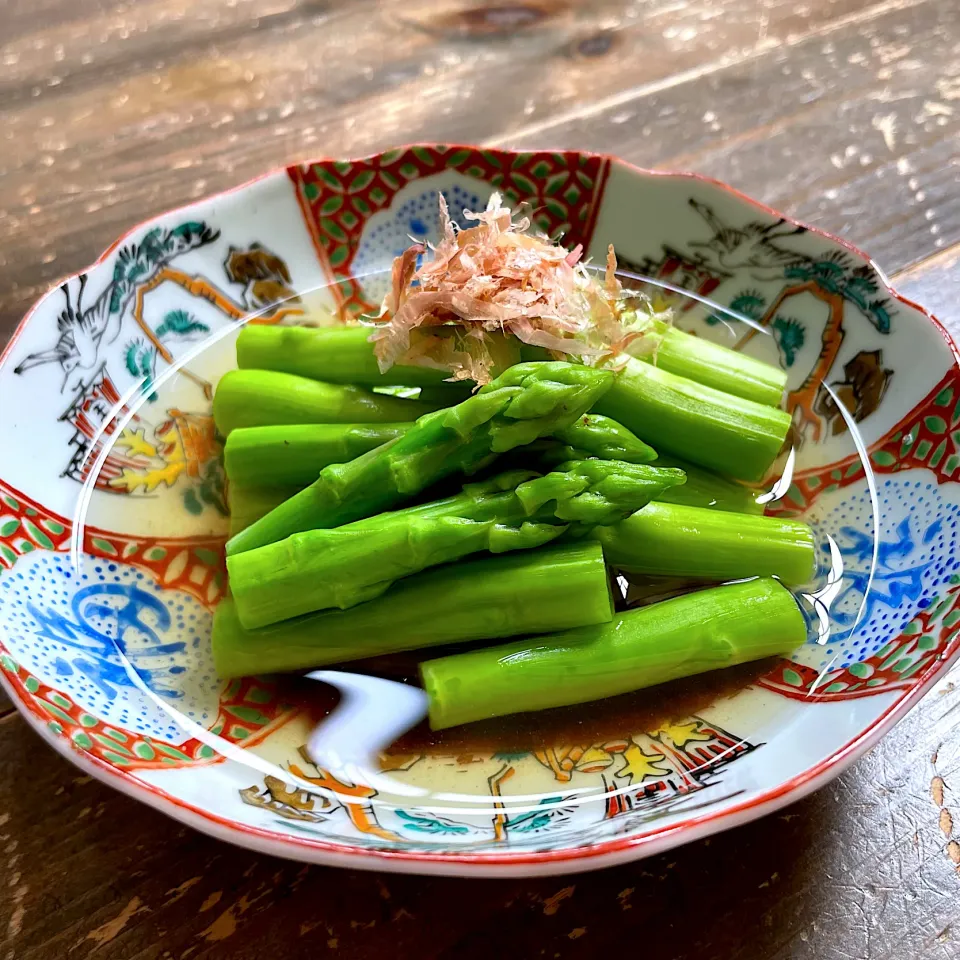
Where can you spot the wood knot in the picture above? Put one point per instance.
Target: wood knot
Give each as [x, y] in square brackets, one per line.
[595, 45]
[501, 19]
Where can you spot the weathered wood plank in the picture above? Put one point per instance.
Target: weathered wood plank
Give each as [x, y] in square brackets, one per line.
[198, 96]
[856, 132]
[190, 113]
[935, 283]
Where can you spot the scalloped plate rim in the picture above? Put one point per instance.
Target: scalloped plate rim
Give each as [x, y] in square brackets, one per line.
[650, 841]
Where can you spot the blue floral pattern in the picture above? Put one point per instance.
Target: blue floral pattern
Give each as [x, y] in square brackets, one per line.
[917, 553]
[390, 233]
[68, 628]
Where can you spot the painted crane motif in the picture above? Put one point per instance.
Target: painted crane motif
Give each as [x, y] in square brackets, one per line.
[183, 445]
[85, 332]
[835, 279]
[748, 247]
[139, 269]
[77, 349]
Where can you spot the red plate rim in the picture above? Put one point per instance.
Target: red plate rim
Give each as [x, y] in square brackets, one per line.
[595, 856]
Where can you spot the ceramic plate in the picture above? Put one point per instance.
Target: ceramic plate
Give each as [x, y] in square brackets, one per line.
[112, 519]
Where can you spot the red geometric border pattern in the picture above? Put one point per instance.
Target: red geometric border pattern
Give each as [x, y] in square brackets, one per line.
[195, 565]
[249, 712]
[931, 637]
[338, 197]
[928, 436]
[249, 709]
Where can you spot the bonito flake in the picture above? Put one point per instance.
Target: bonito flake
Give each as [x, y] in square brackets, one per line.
[499, 277]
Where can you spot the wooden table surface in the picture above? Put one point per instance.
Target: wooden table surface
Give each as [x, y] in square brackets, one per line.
[844, 113]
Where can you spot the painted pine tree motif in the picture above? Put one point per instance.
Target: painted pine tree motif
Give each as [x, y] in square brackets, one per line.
[838, 282]
[760, 250]
[133, 452]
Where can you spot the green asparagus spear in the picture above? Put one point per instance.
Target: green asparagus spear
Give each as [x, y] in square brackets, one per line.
[518, 510]
[671, 540]
[704, 362]
[294, 454]
[605, 439]
[528, 592]
[528, 401]
[592, 436]
[261, 459]
[733, 436]
[706, 489]
[249, 503]
[676, 638]
[255, 398]
[341, 355]
[717, 366]
[701, 489]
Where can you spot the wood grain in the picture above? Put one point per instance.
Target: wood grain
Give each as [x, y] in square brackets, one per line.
[935, 282]
[854, 130]
[842, 112]
[160, 104]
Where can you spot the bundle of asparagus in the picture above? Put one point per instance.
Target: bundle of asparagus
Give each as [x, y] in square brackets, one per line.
[526, 402]
[528, 592]
[358, 561]
[342, 549]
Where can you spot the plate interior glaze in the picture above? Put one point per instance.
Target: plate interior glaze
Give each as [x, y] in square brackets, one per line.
[113, 516]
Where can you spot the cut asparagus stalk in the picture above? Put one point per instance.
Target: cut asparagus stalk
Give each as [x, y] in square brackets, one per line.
[717, 366]
[672, 540]
[676, 638]
[338, 355]
[249, 503]
[592, 436]
[706, 489]
[733, 436]
[294, 454]
[350, 564]
[704, 362]
[259, 459]
[701, 488]
[255, 398]
[493, 597]
[526, 402]
[259, 455]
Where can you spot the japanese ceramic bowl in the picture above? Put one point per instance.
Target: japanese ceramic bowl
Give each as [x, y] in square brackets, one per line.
[113, 516]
